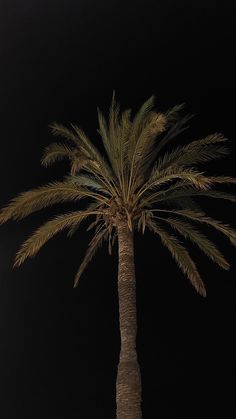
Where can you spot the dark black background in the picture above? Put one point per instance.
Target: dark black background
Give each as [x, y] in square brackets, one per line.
[58, 345]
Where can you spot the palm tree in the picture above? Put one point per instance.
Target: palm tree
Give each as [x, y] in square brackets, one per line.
[132, 185]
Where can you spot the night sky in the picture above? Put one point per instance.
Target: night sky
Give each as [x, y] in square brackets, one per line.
[59, 346]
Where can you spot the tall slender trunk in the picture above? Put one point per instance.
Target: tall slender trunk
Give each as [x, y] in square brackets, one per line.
[128, 383]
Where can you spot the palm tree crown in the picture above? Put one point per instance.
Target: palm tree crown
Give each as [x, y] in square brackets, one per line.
[134, 181]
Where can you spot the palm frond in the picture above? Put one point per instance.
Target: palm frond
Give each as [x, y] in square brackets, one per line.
[222, 179]
[172, 114]
[94, 206]
[156, 181]
[199, 151]
[44, 233]
[42, 197]
[154, 125]
[61, 131]
[201, 217]
[184, 193]
[184, 203]
[177, 128]
[181, 256]
[56, 152]
[95, 160]
[94, 245]
[189, 232]
[139, 121]
[88, 181]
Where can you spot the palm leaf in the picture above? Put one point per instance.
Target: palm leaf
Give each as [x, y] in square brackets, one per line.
[202, 218]
[94, 245]
[88, 181]
[176, 129]
[44, 233]
[42, 197]
[181, 256]
[199, 151]
[178, 194]
[189, 232]
[56, 152]
[156, 180]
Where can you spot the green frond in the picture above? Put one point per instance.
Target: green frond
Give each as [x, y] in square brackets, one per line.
[181, 256]
[44, 233]
[189, 232]
[94, 245]
[42, 197]
[88, 181]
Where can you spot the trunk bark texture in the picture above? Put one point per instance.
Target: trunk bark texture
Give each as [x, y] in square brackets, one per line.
[128, 383]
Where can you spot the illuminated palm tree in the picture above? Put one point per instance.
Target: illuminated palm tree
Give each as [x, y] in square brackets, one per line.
[134, 184]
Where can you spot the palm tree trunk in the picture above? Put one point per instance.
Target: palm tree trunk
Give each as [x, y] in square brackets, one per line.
[128, 383]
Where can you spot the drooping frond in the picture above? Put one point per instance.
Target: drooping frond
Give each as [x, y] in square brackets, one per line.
[181, 256]
[201, 217]
[98, 239]
[44, 233]
[42, 197]
[191, 233]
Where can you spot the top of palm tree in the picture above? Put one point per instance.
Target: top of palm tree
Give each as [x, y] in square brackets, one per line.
[134, 182]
